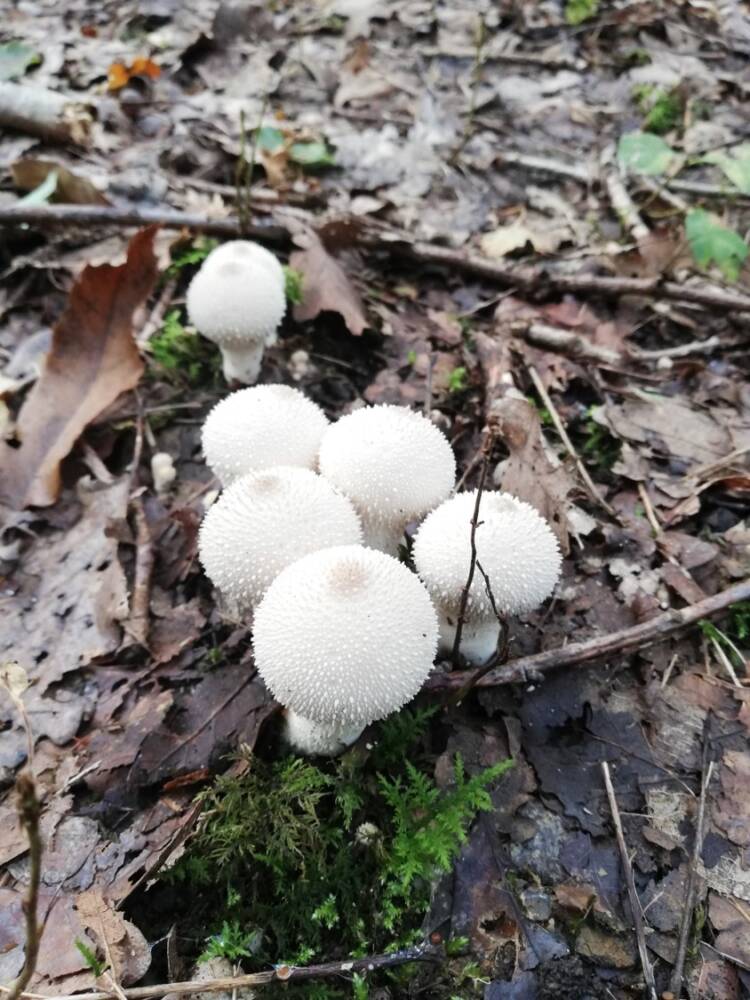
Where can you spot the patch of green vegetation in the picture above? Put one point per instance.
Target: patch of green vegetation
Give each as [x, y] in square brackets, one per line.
[192, 255]
[600, 449]
[637, 57]
[411, 358]
[663, 108]
[736, 629]
[311, 860]
[458, 380]
[578, 11]
[182, 355]
[713, 243]
[545, 417]
[232, 943]
[293, 285]
[97, 967]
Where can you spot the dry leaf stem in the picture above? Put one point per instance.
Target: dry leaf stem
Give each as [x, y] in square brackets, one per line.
[29, 810]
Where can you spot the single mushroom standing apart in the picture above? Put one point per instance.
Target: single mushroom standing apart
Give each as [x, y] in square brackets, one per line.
[261, 427]
[238, 300]
[263, 522]
[516, 549]
[393, 464]
[343, 637]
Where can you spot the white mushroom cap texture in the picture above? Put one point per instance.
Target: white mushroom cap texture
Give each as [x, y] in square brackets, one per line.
[249, 252]
[515, 545]
[260, 427]
[345, 636]
[392, 462]
[265, 521]
[236, 303]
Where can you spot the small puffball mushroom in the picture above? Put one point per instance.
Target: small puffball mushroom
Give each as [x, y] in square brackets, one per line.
[260, 427]
[266, 520]
[516, 549]
[343, 637]
[237, 303]
[393, 464]
[163, 471]
[248, 252]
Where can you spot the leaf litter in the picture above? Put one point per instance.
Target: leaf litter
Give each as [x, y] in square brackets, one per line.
[418, 123]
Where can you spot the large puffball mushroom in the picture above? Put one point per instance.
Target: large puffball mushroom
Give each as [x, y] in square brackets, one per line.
[260, 427]
[516, 549]
[393, 464]
[245, 251]
[343, 637]
[266, 520]
[237, 302]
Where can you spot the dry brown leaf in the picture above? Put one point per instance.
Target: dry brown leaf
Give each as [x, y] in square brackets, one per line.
[529, 474]
[117, 937]
[92, 360]
[71, 189]
[326, 287]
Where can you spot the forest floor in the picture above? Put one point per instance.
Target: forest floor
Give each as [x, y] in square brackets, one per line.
[532, 214]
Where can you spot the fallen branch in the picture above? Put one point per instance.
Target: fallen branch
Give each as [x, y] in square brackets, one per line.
[635, 903]
[529, 278]
[29, 810]
[44, 113]
[576, 653]
[279, 974]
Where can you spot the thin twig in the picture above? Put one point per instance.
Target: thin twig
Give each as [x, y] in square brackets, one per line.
[29, 810]
[577, 653]
[675, 983]
[395, 243]
[487, 451]
[591, 487]
[501, 650]
[280, 973]
[138, 621]
[635, 904]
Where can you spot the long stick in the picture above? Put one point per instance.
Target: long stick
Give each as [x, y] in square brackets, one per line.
[575, 653]
[394, 243]
[29, 811]
[635, 903]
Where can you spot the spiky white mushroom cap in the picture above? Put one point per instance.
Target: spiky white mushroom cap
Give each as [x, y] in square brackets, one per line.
[236, 302]
[345, 636]
[248, 252]
[265, 521]
[260, 427]
[393, 462]
[515, 546]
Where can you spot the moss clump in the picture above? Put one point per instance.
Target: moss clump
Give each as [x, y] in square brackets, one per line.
[182, 355]
[663, 109]
[314, 861]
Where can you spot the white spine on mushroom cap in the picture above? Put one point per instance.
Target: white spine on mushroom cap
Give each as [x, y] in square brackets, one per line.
[238, 304]
[393, 463]
[516, 548]
[343, 637]
[266, 520]
[261, 427]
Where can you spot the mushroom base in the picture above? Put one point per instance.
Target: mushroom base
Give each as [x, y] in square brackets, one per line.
[242, 364]
[317, 739]
[383, 537]
[478, 638]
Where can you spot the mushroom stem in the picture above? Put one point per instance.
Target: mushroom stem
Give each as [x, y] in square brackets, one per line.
[242, 364]
[479, 637]
[318, 738]
[385, 537]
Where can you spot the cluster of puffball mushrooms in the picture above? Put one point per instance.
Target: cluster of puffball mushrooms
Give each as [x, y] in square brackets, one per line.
[304, 538]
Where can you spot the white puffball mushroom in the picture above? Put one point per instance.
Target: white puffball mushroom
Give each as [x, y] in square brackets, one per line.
[260, 427]
[343, 637]
[163, 472]
[515, 547]
[249, 252]
[238, 303]
[393, 464]
[266, 520]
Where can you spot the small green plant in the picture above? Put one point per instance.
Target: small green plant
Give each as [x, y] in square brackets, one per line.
[458, 380]
[736, 631]
[663, 109]
[232, 943]
[360, 989]
[195, 254]
[293, 285]
[183, 355]
[599, 447]
[578, 11]
[97, 967]
[714, 243]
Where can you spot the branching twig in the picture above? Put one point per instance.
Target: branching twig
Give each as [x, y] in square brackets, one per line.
[635, 903]
[675, 983]
[588, 482]
[577, 653]
[29, 810]
[487, 451]
[280, 973]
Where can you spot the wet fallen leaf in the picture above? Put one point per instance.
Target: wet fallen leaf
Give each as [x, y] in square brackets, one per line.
[92, 360]
[325, 286]
[29, 174]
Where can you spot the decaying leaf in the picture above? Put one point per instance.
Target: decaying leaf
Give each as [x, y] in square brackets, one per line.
[325, 288]
[117, 937]
[29, 174]
[92, 360]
